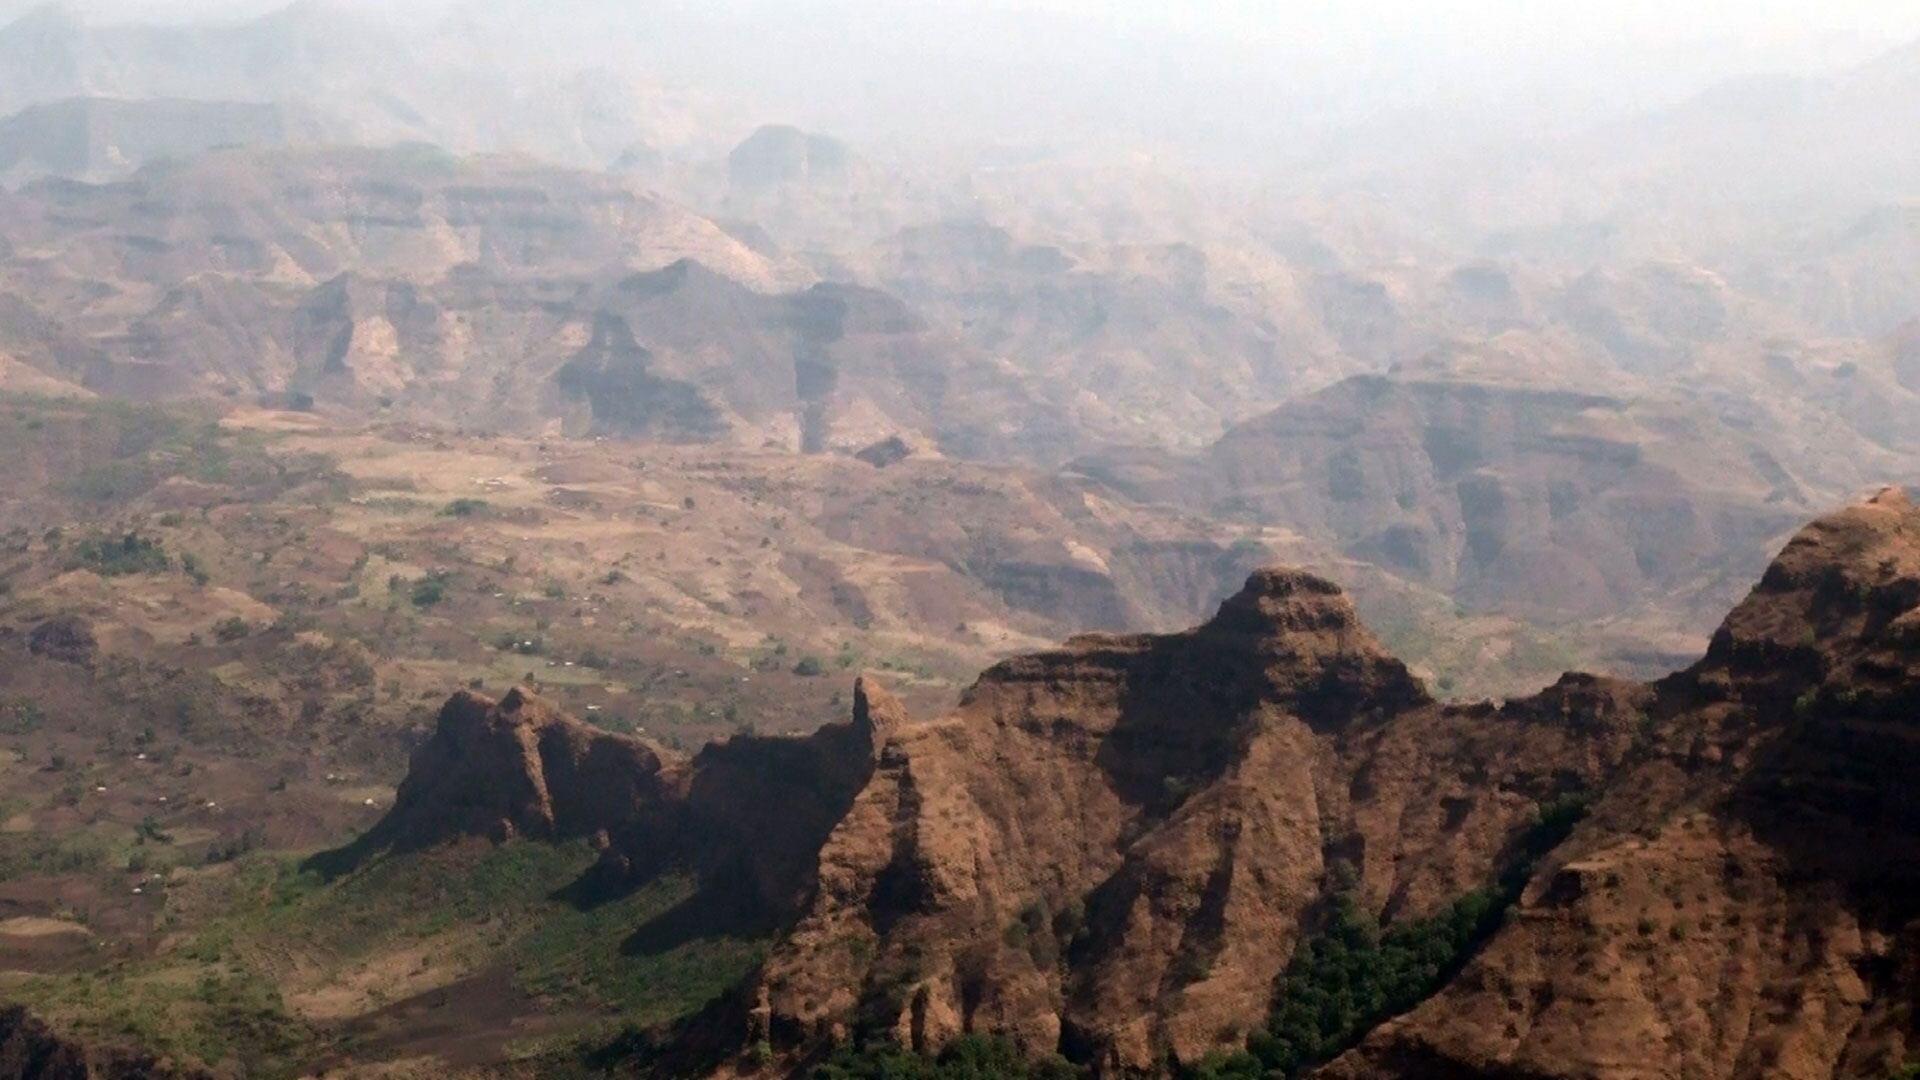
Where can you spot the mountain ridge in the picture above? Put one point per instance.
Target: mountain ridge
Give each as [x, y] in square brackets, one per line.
[1112, 849]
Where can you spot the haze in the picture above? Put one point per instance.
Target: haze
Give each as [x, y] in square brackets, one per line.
[1236, 82]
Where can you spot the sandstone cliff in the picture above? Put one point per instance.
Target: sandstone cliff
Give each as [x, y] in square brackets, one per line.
[1110, 849]
[1742, 903]
[1114, 850]
[746, 814]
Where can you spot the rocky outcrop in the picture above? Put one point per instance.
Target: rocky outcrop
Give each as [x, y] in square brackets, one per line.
[520, 768]
[1742, 903]
[1110, 849]
[746, 815]
[1114, 849]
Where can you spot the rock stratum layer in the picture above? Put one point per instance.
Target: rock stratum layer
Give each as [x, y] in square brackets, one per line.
[1113, 850]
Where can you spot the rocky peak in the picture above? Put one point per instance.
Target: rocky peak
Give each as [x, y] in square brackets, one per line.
[877, 714]
[746, 815]
[520, 767]
[1840, 605]
[1313, 654]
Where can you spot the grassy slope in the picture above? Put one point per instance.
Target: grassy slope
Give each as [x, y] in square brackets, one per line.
[258, 940]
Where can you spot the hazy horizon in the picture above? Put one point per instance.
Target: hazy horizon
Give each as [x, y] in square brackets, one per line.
[1236, 81]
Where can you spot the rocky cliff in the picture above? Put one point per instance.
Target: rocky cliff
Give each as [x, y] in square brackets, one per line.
[746, 814]
[1116, 849]
[1742, 903]
[1111, 849]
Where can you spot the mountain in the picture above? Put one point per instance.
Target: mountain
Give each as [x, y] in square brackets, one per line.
[1145, 343]
[366, 79]
[1764, 847]
[1510, 490]
[777, 154]
[1117, 849]
[95, 139]
[495, 294]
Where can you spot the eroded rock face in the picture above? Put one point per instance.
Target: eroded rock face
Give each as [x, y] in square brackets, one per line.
[1109, 849]
[1745, 901]
[747, 815]
[518, 767]
[1113, 849]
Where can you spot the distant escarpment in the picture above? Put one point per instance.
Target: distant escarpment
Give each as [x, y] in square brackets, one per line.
[1515, 494]
[1145, 852]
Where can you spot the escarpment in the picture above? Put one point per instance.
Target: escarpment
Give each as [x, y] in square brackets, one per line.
[1111, 849]
[1114, 850]
[1742, 902]
[746, 815]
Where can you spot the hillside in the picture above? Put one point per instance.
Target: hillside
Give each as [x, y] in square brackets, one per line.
[1116, 850]
[488, 295]
[1613, 505]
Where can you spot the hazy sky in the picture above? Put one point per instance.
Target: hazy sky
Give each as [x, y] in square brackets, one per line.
[1218, 73]
[1784, 32]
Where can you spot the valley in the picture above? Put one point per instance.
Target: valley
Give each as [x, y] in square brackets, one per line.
[545, 544]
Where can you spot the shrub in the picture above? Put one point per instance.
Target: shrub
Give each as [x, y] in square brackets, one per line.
[810, 667]
[463, 508]
[21, 717]
[129, 553]
[1352, 974]
[230, 630]
[429, 590]
[524, 644]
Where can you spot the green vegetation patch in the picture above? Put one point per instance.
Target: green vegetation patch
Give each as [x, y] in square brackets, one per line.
[213, 998]
[577, 956]
[464, 508]
[222, 1015]
[20, 716]
[34, 854]
[117, 556]
[1351, 975]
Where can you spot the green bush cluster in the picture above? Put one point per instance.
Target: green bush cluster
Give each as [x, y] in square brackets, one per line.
[970, 1057]
[463, 508]
[1352, 974]
[129, 553]
[429, 591]
[21, 716]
